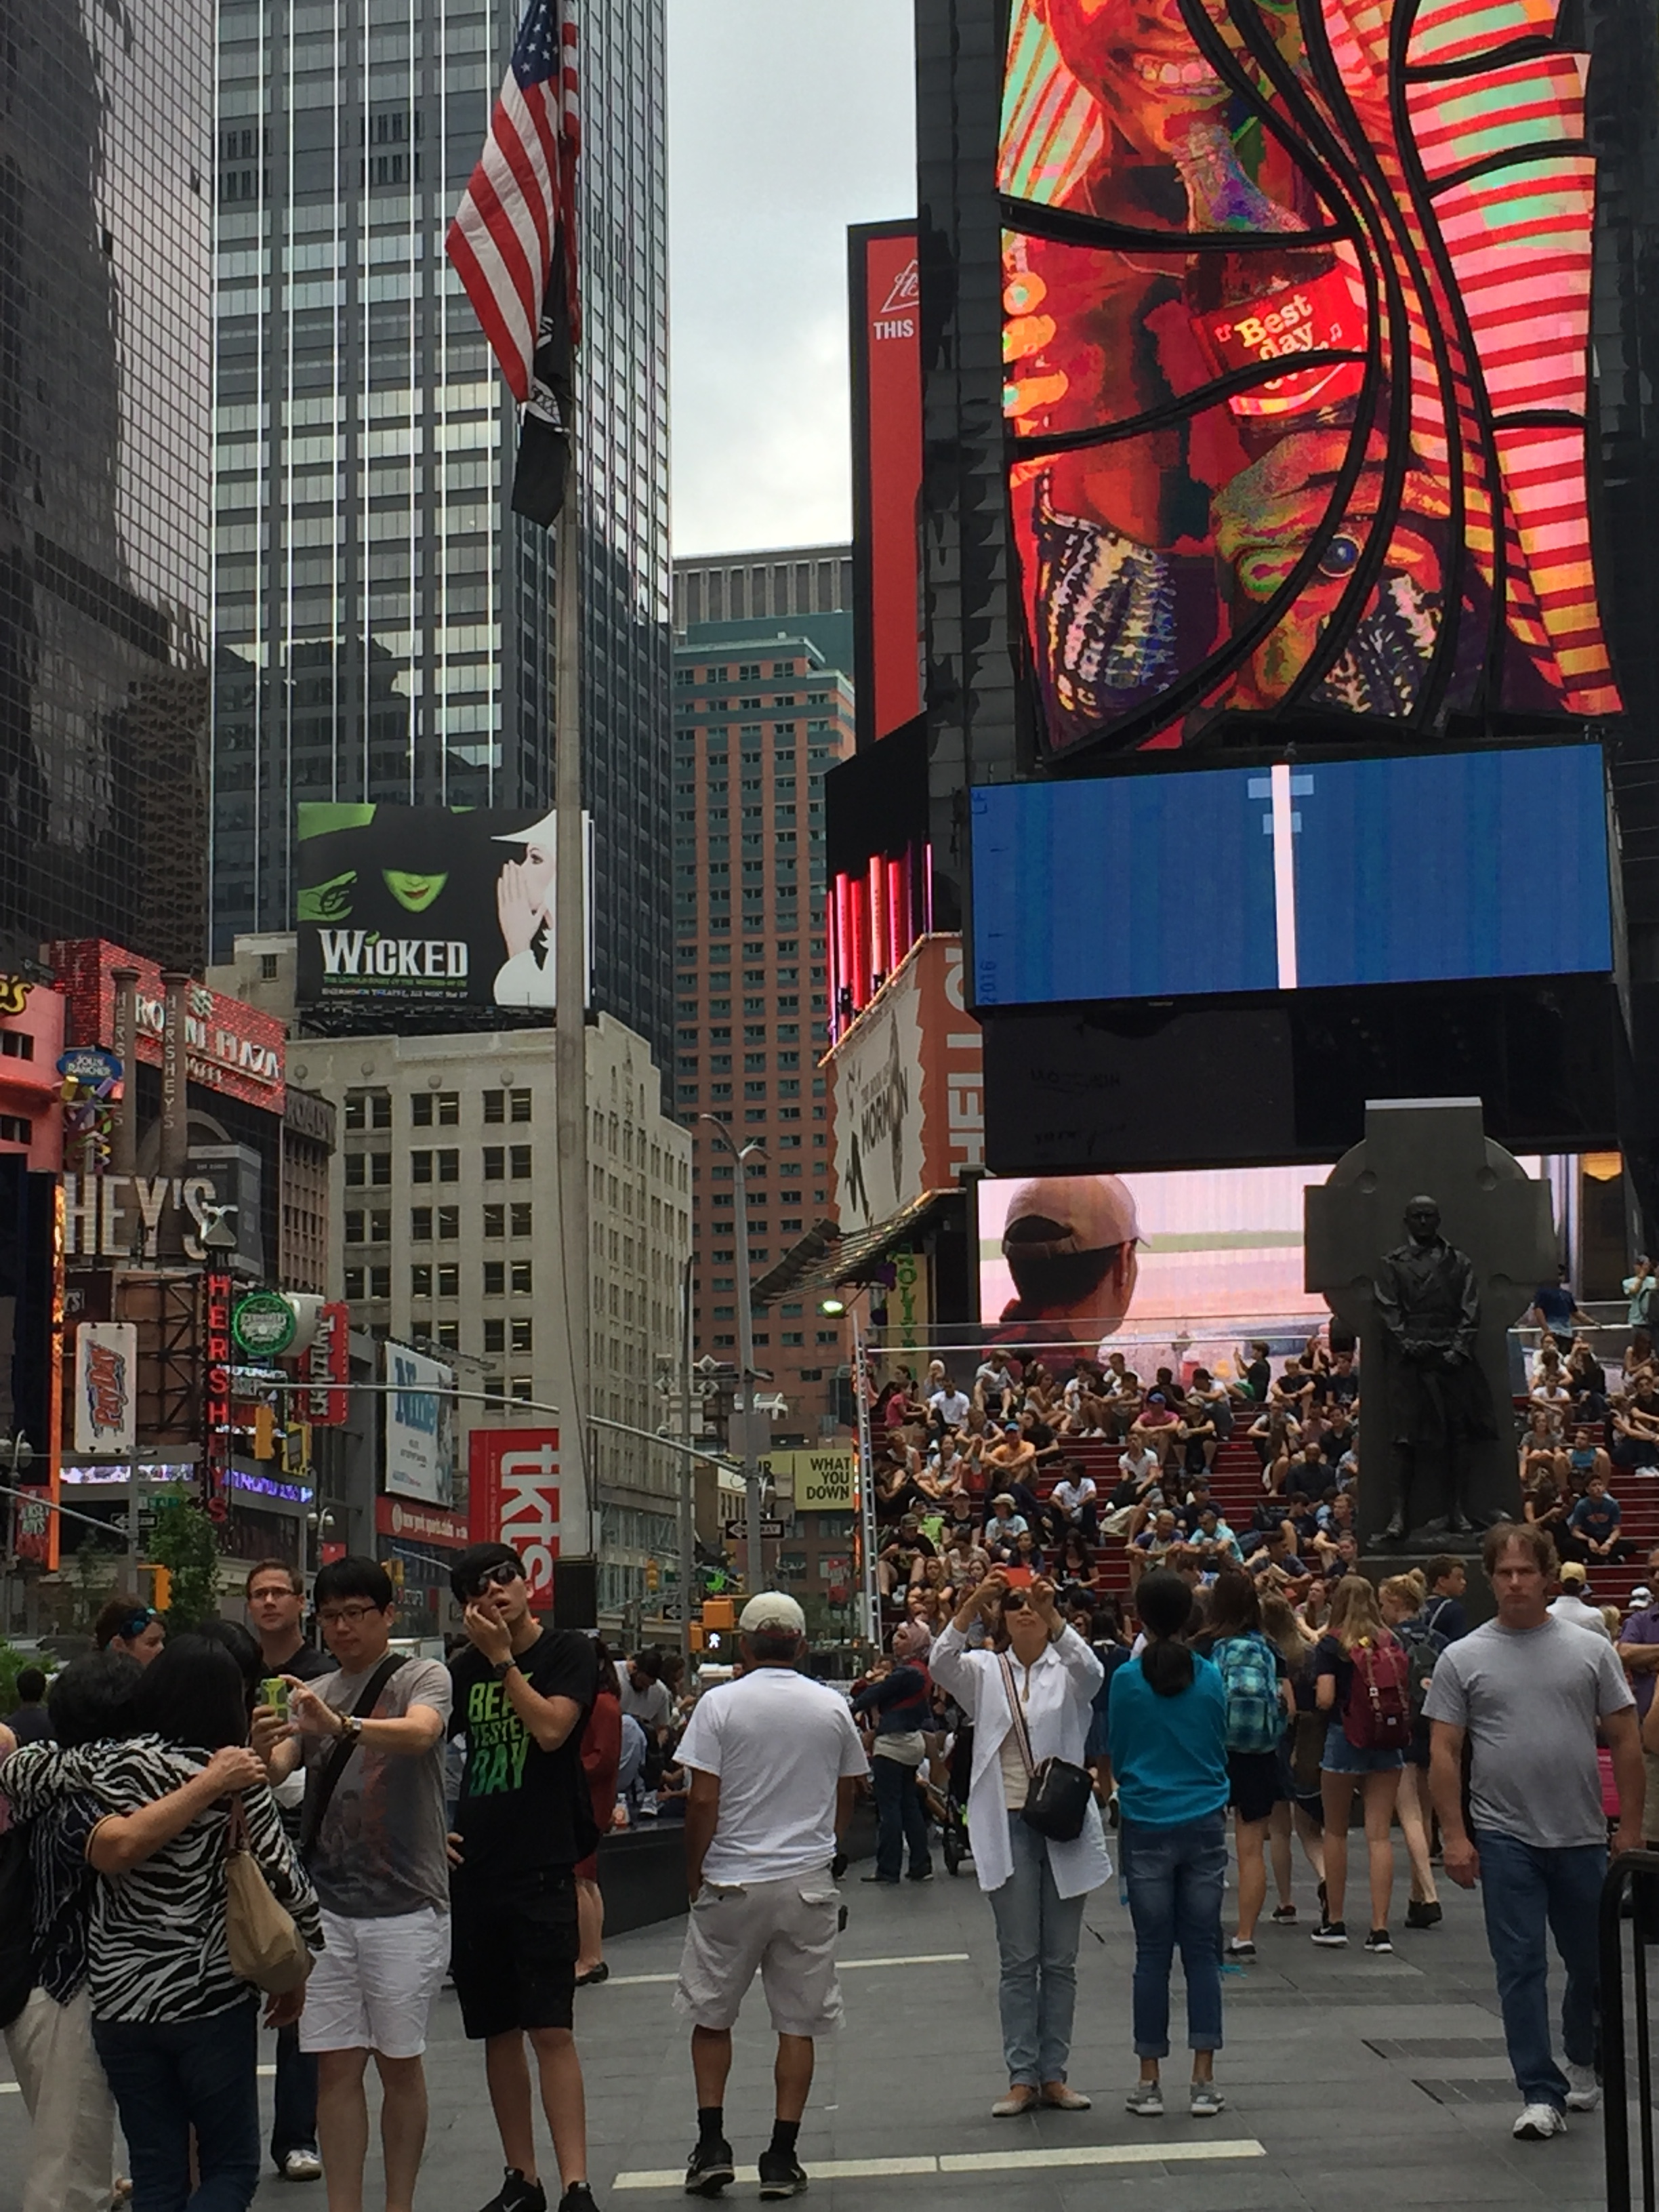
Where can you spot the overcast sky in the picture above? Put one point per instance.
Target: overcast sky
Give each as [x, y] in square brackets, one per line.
[788, 120]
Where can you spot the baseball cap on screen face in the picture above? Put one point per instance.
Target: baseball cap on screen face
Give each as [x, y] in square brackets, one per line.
[1088, 1213]
[774, 1612]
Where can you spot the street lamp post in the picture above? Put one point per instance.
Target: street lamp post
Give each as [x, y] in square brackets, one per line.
[743, 1409]
[834, 1308]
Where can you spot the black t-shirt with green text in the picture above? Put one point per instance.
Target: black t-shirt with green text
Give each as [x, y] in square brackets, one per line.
[523, 1811]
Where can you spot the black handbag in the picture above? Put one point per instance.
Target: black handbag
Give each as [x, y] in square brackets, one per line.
[1059, 1794]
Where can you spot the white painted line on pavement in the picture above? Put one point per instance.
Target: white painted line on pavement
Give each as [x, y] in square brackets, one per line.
[11, 2088]
[847, 1967]
[875, 2169]
[1141, 2153]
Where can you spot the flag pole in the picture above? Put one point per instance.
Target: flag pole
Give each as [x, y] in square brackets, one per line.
[571, 1034]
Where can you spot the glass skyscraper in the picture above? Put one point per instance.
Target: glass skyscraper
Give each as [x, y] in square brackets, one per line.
[106, 145]
[384, 626]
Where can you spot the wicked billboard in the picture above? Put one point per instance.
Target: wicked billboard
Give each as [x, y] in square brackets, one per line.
[425, 905]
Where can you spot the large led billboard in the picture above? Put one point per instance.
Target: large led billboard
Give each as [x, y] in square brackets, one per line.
[427, 906]
[1296, 303]
[1112, 1262]
[1415, 868]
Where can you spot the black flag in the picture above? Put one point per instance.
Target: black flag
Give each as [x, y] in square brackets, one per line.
[547, 419]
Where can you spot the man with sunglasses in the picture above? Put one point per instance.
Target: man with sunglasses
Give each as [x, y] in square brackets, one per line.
[522, 1695]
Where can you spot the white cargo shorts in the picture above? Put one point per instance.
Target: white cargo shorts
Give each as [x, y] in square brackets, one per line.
[786, 1929]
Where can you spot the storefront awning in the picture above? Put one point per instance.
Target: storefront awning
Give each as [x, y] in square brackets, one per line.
[824, 1258]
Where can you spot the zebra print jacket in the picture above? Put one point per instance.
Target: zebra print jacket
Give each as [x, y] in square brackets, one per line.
[156, 1942]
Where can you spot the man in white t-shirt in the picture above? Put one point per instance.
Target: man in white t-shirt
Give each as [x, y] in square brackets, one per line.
[950, 1407]
[774, 1758]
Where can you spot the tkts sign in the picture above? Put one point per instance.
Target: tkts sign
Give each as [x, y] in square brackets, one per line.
[516, 1499]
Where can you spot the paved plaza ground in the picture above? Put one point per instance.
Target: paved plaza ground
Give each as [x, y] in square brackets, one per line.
[1352, 2083]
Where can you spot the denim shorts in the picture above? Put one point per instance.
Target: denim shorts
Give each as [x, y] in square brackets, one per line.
[1340, 1757]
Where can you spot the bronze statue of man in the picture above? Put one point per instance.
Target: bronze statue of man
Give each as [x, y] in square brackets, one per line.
[1436, 1399]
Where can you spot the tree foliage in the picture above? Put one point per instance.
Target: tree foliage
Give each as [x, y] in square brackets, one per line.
[186, 1543]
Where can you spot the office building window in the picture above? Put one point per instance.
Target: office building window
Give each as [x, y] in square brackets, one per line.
[420, 1225]
[494, 1279]
[521, 1216]
[449, 1224]
[420, 1282]
[379, 1282]
[354, 1229]
[448, 1335]
[449, 1167]
[449, 1110]
[420, 1109]
[522, 1334]
[521, 1100]
[494, 1163]
[495, 1336]
[494, 1106]
[449, 1280]
[419, 1168]
[522, 1284]
[520, 1156]
[494, 1221]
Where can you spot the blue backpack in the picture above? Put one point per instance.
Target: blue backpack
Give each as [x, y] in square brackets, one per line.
[1249, 1675]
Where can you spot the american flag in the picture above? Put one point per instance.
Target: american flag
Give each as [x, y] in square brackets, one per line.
[515, 227]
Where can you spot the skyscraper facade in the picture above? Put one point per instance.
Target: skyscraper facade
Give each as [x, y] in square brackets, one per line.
[759, 714]
[384, 625]
[105, 144]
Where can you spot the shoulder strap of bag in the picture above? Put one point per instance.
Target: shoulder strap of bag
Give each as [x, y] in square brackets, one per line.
[1021, 1737]
[328, 1778]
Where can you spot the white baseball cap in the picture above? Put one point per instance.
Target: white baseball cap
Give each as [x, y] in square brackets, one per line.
[1091, 1213]
[772, 1609]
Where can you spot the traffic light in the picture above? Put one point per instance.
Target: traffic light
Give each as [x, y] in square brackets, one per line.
[264, 1433]
[653, 1576]
[162, 1598]
[719, 1613]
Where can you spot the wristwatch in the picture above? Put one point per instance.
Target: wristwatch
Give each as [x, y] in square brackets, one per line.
[351, 1727]
[502, 1668]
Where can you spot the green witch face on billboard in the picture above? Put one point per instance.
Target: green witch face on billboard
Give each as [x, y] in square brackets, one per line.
[425, 905]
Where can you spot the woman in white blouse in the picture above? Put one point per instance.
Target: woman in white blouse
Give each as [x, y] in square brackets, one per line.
[1036, 1886]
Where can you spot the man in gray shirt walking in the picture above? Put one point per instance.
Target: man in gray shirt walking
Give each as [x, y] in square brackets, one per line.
[1527, 1691]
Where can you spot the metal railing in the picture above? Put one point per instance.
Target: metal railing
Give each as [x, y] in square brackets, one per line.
[1634, 1875]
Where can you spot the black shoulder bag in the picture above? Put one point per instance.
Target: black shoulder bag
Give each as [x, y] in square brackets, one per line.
[326, 1779]
[1057, 1799]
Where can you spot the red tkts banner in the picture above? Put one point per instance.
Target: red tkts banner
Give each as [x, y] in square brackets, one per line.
[328, 1367]
[516, 1498]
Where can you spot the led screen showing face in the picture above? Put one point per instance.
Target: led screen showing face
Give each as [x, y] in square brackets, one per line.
[1295, 322]
[1420, 868]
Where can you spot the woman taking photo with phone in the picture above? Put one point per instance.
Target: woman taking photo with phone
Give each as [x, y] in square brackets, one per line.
[1030, 1696]
[1166, 1732]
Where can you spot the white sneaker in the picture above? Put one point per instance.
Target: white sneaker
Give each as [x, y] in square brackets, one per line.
[1539, 2122]
[302, 2166]
[1584, 2090]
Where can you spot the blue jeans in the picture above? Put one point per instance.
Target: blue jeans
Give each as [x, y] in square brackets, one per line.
[899, 1818]
[169, 2077]
[1175, 1878]
[1524, 1889]
[1038, 1934]
[293, 2122]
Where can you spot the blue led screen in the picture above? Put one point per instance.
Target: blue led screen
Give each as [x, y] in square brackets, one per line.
[1398, 869]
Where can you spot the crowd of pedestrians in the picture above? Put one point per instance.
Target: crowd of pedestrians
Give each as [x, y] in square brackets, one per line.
[230, 1826]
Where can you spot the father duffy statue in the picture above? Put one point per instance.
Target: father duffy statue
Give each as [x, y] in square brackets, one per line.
[1436, 1397]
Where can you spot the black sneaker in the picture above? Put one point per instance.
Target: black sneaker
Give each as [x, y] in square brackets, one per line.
[1423, 1915]
[780, 2174]
[710, 2169]
[1331, 1934]
[1378, 1943]
[579, 2197]
[920, 1874]
[517, 2195]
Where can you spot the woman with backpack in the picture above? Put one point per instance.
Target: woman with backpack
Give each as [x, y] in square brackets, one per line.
[1258, 1712]
[1166, 1732]
[1361, 1674]
[1401, 1598]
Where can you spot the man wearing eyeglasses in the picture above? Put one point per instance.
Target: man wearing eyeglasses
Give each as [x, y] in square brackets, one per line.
[522, 1695]
[378, 1857]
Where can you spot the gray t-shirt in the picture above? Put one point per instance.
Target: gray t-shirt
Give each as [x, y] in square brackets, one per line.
[1530, 1698]
[381, 1848]
[652, 1707]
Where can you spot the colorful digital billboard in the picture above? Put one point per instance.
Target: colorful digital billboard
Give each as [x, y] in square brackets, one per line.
[426, 906]
[1413, 868]
[1296, 304]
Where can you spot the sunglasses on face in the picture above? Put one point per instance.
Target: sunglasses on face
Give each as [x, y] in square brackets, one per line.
[1014, 1600]
[496, 1577]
